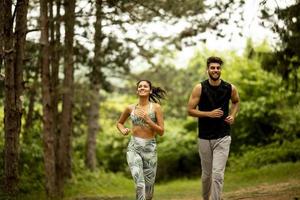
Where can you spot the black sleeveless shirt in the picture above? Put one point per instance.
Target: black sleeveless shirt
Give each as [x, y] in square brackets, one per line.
[213, 97]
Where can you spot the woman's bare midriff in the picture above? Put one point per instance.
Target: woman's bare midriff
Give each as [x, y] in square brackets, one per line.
[143, 132]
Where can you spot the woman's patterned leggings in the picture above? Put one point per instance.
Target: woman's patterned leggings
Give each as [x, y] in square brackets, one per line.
[142, 161]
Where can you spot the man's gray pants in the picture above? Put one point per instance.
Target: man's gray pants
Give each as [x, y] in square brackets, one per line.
[213, 155]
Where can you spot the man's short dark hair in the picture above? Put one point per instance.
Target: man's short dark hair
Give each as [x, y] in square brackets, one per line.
[214, 59]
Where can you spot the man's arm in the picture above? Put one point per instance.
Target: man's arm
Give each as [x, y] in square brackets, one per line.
[193, 102]
[235, 104]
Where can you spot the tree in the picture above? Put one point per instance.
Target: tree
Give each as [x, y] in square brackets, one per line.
[286, 58]
[2, 6]
[95, 80]
[14, 46]
[57, 128]
[2, 22]
[64, 154]
[55, 52]
[48, 133]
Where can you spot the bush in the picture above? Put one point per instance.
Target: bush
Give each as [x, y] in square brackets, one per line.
[178, 156]
[270, 154]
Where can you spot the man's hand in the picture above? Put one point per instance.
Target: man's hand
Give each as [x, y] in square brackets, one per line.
[216, 113]
[229, 119]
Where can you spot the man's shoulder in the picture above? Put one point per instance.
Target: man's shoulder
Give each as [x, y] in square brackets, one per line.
[204, 81]
[198, 86]
[226, 83]
[197, 90]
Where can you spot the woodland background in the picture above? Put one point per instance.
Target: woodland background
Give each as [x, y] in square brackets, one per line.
[69, 67]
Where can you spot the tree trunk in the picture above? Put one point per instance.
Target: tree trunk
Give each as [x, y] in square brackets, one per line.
[10, 110]
[64, 155]
[93, 128]
[1, 36]
[14, 55]
[55, 54]
[48, 134]
[93, 111]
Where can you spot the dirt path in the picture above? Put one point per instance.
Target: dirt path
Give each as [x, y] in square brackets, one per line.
[281, 191]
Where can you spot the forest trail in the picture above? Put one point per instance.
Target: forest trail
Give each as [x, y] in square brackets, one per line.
[280, 191]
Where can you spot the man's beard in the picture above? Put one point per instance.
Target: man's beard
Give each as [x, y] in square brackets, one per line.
[213, 78]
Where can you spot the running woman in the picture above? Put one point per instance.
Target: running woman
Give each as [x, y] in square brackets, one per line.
[147, 122]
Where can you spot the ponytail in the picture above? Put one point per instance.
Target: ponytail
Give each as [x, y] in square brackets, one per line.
[157, 94]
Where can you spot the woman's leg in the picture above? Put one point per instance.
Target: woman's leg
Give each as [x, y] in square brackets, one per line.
[149, 167]
[136, 167]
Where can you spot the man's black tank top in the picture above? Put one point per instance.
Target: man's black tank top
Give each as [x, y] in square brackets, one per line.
[213, 97]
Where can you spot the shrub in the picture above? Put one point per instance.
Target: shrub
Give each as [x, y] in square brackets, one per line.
[270, 154]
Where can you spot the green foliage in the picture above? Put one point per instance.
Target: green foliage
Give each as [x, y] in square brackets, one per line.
[177, 152]
[31, 160]
[111, 145]
[31, 168]
[288, 128]
[111, 151]
[263, 99]
[99, 183]
[262, 156]
[285, 60]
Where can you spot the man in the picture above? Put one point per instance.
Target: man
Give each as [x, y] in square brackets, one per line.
[212, 98]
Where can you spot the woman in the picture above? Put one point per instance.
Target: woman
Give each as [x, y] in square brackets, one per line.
[147, 121]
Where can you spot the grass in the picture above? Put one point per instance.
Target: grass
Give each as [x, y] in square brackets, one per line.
[101, 185]
[271, 174]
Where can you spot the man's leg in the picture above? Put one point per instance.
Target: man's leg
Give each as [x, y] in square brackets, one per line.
[205, 152]
[220, 155]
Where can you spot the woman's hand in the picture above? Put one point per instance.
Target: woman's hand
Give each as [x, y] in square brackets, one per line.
[125, 131]
[142, 114]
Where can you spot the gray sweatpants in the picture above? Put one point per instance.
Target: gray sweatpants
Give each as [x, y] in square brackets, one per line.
[213, 155]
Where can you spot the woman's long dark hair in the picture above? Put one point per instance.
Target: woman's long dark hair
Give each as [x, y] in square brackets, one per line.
[157, 92]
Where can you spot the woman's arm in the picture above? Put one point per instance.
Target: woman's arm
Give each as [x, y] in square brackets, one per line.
[159, 126]
[120, 124]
